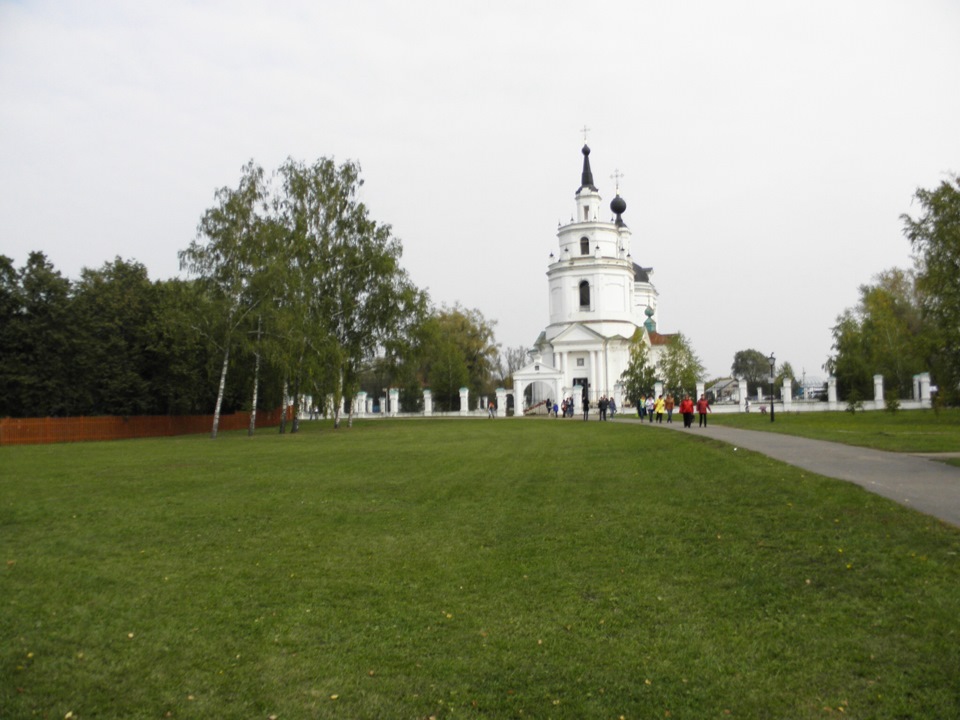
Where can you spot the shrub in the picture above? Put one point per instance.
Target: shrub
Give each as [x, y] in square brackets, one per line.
[891, 401]
[854, 402]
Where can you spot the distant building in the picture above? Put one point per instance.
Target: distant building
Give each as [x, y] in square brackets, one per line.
[725, 390]
[599, 297]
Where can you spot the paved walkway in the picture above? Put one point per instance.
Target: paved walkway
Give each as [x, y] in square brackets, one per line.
[916, 481]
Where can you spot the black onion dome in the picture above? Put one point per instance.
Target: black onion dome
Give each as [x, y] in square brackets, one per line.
[618, 205]
[586, 177]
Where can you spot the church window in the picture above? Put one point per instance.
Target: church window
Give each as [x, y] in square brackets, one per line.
[579, 362]
[586, 213]
[584, 246]
[584, 295]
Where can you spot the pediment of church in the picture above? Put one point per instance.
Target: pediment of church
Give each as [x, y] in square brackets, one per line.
[537, 368]
[576, 334]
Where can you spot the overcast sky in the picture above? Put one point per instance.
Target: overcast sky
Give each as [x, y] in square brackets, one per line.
[767, 149]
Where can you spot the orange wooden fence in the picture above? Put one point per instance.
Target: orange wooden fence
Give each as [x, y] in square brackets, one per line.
[36, 431]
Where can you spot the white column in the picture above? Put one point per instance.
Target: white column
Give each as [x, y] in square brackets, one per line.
[594, 375]
[361, 404]
[464, 401]
[427, 402]
[502, 402]
[831, 393]
[742, 393]
[878, 402]
[657, 389]
[925, 389]
[394, 401]
[701, 386]
[787, 393]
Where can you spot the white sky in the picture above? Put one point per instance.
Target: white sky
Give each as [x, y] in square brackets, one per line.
[768, 148]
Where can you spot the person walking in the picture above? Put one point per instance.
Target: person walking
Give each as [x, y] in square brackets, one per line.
[586, 408]
[613, 407]
[648, 407]
[669, 404]
[686, 409]
[658, 408]
[703, 407]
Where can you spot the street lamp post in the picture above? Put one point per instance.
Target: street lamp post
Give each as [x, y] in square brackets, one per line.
[773, 379]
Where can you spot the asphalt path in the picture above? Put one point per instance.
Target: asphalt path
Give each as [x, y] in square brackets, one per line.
[917, 481]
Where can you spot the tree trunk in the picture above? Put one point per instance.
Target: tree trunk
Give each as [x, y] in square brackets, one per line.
[296, 404]
[338, 399]
[223, 385]
[256, 385]
[283, 408]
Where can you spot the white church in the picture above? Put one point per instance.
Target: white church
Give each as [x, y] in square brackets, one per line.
[599, 297]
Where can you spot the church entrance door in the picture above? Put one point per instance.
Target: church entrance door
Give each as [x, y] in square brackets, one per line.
[582, 383]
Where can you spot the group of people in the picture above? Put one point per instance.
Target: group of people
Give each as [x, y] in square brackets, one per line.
[647, 407]
[650, 407]
[687, 407]
[564, 409]
[604, 405]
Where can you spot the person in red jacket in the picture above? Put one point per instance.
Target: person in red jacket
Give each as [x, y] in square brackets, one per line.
[703, 407]
[686, 409]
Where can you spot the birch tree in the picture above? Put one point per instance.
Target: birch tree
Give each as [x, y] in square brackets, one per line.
[226, 254]
[345, 275]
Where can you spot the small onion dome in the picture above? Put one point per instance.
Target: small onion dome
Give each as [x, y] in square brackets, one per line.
[586, 177]
[618, 205]
[649, 312]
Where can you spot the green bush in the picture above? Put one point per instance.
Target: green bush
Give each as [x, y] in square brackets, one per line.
[891, 401]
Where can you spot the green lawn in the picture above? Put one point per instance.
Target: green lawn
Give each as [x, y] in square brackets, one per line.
[464, 568]
[920, 431]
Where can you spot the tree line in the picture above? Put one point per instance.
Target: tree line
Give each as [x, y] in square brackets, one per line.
[292, 290]
[908, 320]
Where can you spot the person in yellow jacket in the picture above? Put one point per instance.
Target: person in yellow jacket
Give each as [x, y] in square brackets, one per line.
[658, 408]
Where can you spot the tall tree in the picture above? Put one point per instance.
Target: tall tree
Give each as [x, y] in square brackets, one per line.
[751, 365]
[639, 377]
[227, 255]
[679, 366]
[360, 293]
[183, 369]
[114, 307]
[40, 342]
[453, 347]
[935, 238]
[884, 334]
[10, 309]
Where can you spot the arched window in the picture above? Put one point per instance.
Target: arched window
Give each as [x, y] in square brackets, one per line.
[584, 246]
[584, 295]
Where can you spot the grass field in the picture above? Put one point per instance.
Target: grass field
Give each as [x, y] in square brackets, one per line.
[464, 568]
[919, 431]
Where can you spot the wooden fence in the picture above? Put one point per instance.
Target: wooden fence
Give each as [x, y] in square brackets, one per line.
[37, 431]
